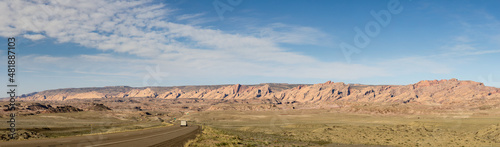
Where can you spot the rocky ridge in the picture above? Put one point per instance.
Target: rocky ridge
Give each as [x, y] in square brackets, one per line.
[424, 92]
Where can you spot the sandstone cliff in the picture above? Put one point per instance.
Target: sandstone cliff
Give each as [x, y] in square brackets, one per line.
[431, 92]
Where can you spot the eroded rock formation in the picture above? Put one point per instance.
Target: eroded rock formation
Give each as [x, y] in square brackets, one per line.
[424, 92]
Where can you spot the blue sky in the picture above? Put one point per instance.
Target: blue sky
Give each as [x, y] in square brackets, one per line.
[185, 42]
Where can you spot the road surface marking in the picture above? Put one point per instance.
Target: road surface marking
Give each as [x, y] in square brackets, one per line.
[133, 139]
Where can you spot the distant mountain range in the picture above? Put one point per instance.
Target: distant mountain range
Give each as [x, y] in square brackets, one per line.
[430, 92]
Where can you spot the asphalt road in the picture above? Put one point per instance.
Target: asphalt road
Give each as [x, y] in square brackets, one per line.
[157, 137]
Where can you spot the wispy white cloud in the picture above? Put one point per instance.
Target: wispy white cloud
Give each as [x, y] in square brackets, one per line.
[100, 64]
[482, 52]
[142, 29]
[478, 32]
[34, 36]
[463, 39]
[460, 44]
[189, 16]
[461, 47]
[194, 19]
[283, 33]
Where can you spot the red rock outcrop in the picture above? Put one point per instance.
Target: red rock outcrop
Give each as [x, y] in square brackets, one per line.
[424, 92]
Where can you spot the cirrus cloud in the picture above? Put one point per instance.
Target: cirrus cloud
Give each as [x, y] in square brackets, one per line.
[142, 29]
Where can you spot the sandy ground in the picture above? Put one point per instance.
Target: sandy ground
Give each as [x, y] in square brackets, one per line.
[331, 127]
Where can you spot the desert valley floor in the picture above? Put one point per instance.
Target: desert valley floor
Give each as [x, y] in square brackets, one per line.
[427, 113]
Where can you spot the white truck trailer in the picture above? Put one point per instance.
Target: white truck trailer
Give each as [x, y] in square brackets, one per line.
[184, 123]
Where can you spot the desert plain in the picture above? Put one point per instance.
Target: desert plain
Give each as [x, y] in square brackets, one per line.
[428, 113]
